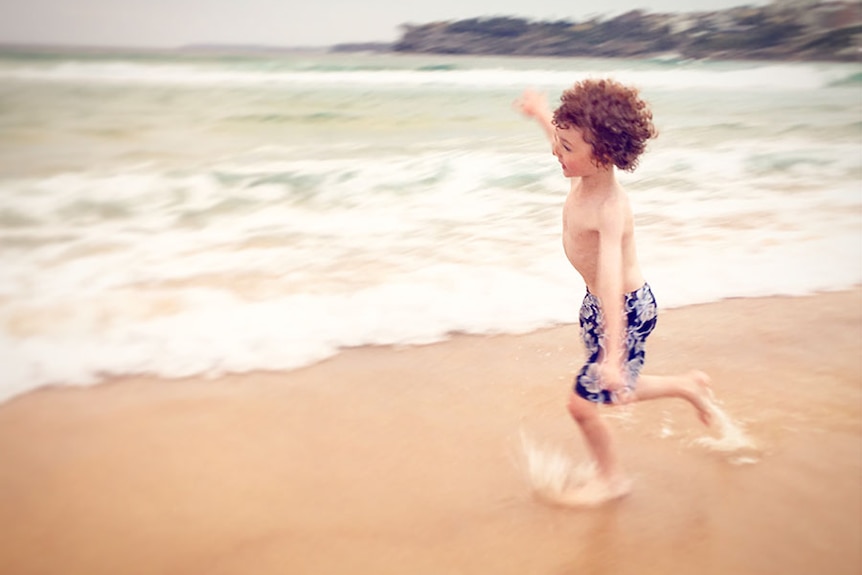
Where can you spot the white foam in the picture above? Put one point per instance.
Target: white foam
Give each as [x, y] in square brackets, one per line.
[465, 253]
[175, 332]
[685, 76]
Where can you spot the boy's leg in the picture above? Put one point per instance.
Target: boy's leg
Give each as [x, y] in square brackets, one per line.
[692, 387]
[597, 436]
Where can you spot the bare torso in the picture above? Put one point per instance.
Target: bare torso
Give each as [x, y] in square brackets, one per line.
[581, 228]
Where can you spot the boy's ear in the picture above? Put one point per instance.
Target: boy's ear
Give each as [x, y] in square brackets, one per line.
[599, 163]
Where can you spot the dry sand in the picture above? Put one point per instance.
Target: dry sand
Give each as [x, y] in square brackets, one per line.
[409, 460]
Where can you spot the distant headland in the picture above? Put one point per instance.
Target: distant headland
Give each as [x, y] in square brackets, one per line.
[782, 30]
[804, 30]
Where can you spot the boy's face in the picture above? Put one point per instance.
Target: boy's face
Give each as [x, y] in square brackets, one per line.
[575, 154]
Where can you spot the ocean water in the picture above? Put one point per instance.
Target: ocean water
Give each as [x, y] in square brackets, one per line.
[178, 215]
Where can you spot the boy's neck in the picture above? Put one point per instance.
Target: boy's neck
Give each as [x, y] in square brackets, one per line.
[603, 181]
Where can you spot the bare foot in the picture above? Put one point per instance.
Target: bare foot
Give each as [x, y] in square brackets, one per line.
[594, 492]
[700, 395]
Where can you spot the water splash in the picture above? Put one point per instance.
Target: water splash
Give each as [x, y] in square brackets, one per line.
[666, 426]
[732, 441]
[555, 478]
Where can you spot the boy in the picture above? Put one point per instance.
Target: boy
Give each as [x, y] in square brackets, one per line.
[601, 125]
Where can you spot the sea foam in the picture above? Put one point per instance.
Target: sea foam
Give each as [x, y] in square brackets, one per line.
[683, 76]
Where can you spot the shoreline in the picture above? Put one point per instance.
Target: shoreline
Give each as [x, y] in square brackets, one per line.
[568, 330]
[387, 459]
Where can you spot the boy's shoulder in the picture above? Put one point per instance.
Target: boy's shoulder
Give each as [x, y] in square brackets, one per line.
[615, 211]
[612, 198]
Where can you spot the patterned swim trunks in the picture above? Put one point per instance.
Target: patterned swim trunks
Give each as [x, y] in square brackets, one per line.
[641, 314]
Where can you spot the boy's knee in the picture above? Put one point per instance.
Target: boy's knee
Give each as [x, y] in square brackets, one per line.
[580, 409]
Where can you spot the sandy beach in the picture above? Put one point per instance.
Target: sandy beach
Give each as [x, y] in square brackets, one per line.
[409, 460]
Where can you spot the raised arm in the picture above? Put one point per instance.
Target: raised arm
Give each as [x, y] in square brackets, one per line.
[535, 105]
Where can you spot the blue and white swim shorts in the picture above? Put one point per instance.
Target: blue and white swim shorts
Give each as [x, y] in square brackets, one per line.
[641, 315]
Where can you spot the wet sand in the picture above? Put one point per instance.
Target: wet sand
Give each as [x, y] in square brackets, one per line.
[409, 460]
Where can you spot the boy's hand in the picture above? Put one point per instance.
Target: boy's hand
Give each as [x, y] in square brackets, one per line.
[611, 376]
[532, 104]
[612, 380]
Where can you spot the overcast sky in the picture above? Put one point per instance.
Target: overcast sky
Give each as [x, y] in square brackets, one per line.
[167, 23]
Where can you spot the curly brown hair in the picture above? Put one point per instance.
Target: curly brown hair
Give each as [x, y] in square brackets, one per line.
[613, 119]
